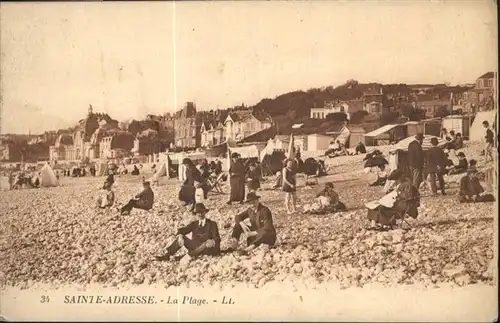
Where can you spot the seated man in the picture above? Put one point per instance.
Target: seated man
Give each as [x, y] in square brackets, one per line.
[205, 239]
[360, 148]
[405, 199]
[143, 200]
[471, 190]
[261, 230]
[462, 166]
[107, 198]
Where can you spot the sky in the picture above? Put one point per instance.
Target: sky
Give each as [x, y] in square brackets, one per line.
[130, 59]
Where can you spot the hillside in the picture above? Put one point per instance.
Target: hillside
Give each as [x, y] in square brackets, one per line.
[294, 107]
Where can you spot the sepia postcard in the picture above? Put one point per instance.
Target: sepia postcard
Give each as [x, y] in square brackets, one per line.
[249, 161]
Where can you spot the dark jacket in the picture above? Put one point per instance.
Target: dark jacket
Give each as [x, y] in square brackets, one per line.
[415, 155]
[436, 158]
[201, 234]
[489, 136]
[146, 197]
[261, 221]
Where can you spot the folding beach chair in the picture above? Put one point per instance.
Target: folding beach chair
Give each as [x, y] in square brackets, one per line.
[215, 183]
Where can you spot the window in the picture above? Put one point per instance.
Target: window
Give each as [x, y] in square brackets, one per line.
[490, 83]
[479, 83]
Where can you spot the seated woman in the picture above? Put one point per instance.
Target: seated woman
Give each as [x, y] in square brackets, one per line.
[462, 166]
[471, 190]
[135, 171]
[327, 201]
[405, 199]
[107, 198]
[378, 175]
[459, 142]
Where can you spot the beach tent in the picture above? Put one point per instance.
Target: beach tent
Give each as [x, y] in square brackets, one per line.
[477, 131]
[48, 177]
[343, 137]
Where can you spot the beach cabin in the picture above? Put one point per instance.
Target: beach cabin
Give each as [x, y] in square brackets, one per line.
[457, 123]
[386, 135]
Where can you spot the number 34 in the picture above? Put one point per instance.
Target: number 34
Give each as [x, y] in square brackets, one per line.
[44, 299]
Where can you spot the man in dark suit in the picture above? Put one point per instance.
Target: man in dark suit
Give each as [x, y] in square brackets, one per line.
[416, 160]
[143, 200]
[205, 238]
[436, 164]
[261, 229]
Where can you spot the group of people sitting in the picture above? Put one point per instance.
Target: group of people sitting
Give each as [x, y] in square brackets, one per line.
[144, 200]
[255, 223]
[403, 196]
[454, 141]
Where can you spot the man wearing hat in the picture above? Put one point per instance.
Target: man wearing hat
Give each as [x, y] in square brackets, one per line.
[416, 159]
[261, 230]
[470, 188]
[205, 237]
[143, 200]
[436, 165]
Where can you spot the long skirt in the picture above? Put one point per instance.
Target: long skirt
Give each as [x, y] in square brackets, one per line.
[237, 189]
[187, 194]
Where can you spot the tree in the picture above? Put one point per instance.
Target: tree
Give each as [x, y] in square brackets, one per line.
[388, 118]
[441, 112]
[358, 116]
[336, 116]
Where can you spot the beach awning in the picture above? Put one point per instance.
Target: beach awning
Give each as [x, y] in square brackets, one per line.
[381, 130]
[426, 144]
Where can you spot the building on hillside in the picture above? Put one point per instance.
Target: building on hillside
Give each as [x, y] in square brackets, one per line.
[485, 89]
[432, 107]
[147, 143]
[116, 145]
[212, 133]
[240, 124]
[187, 127]
[373, 101]
[85, 139]
[347, 107]
[10, 151]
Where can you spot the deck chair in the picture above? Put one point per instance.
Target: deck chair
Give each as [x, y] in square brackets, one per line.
[215, 184]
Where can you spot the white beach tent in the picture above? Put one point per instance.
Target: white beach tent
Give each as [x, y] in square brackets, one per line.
[48, 177]
[477, 131]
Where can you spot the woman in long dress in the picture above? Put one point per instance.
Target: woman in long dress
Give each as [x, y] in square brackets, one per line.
[188, 189]
[237, 180]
